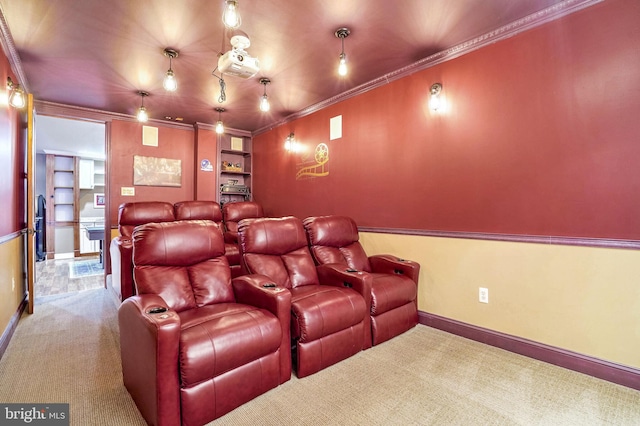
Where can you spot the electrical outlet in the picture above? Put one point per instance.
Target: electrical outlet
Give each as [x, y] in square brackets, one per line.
[483, 295]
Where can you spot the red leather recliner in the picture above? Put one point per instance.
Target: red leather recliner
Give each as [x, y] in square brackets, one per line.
[334, 240]
[232, 214]
[328, 319]
[209, 210]
[195, 344]
[131, 215]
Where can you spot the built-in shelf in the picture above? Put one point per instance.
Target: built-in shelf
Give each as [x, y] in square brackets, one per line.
[240, 161]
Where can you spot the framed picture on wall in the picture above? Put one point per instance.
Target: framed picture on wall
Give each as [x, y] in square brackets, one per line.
[98, 201]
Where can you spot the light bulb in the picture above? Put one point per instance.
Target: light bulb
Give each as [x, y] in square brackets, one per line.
[264, 103]
[231, 16]
[142, 115]
[170, 83]
[17, 98]
[219, 127]
[435, 103]
[342, 68]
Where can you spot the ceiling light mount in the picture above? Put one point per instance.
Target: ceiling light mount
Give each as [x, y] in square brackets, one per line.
[171, 53]
[342, 33]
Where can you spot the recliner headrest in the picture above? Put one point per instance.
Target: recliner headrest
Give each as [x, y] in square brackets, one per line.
[133, 214]
[275, 236]
[235, 212]
[182, 243]
[198, 210]
[331, 231]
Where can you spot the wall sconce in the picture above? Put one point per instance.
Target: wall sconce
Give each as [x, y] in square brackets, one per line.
[342, 33]
[264, 100]
[231, 16]
[434, 101]
[16, 97]
[170, 84]
[220, 124]
[290, 143]
[142, 115]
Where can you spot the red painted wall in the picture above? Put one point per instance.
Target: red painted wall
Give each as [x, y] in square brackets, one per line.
[12, 166]
[126, 141]
[540, 137]
[206, 149]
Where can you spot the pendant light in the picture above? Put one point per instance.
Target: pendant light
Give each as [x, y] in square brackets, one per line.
[231, 16]
[264, 99]
[170, 84]
[142, 115]
[342, 33]
[220, 124]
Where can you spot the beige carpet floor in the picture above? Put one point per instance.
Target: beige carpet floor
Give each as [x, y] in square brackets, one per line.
[68, 352]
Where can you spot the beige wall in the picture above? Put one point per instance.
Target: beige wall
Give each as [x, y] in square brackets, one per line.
[12, 289]
[581, 299]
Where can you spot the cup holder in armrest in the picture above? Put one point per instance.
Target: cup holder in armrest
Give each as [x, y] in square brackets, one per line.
[156, 310]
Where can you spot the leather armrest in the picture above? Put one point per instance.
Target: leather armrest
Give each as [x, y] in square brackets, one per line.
[340, 275]
[257, 290]
[251, 290]
[149, 349]
[121, 251]
[388, 264]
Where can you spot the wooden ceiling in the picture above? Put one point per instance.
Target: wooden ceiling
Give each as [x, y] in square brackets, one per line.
[98, 54]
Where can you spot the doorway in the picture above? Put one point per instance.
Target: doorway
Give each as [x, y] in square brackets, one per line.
[70, 193]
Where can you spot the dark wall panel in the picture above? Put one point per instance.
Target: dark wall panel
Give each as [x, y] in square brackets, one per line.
[540, 136]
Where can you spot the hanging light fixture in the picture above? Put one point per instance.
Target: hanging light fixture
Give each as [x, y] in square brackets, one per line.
[342, 33]
[170, 84]
[220, 124]
[264, 100]
[16, 97]
[142, 115]
[231, 16]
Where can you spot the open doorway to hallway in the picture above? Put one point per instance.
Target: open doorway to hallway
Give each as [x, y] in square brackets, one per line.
[70, 204]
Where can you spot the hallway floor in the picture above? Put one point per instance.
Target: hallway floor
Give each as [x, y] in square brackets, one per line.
[52, 277]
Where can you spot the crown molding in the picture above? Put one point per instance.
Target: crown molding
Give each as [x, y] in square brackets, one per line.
[70, 111]
[9, 48]
[534, 20]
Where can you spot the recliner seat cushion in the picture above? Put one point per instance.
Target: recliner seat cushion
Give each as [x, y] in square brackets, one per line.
[319, 311]
[391, 291]
[235, 334]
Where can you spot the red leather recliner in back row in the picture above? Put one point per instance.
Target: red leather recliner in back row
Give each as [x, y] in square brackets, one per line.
[134, 214]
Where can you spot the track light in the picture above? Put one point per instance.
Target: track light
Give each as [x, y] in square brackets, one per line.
[264, 100]
[342, 33]
[170, 84]
[231, 15]
[142, 115]
[16, 98]
[219, 124]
